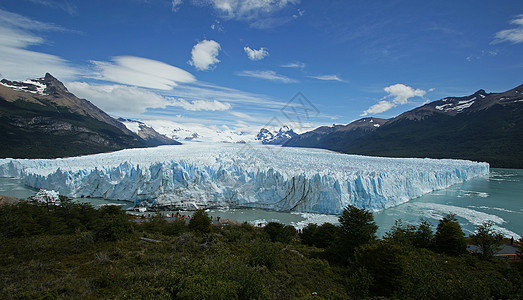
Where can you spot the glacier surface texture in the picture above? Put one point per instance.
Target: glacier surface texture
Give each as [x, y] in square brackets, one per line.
[236, 175]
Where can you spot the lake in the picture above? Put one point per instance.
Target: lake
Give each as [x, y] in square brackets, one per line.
[497, 197]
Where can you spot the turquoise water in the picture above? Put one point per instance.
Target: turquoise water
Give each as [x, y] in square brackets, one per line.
[498, 197]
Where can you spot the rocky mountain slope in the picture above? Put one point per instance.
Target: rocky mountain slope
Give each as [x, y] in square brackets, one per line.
[336, 137]
[42, 119]
[147, 133]
[483, 126]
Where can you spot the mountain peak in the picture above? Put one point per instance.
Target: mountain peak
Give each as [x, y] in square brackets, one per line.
[54, 86]
[480, 92]
[276, 137]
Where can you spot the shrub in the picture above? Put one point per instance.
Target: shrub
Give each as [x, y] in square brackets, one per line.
[200, 222]
[357, 227]
[487, 239]
[280, 233]
[113, 224]
[449, 237]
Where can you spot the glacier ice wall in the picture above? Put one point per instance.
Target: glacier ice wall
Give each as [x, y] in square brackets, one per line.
[233, 175]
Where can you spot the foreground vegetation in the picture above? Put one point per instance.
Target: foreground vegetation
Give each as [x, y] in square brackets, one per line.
[76, 251]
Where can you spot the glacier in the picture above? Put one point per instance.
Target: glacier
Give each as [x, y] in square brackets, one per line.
[244, 175]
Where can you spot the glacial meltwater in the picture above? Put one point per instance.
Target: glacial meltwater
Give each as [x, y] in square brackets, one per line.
[498, 197]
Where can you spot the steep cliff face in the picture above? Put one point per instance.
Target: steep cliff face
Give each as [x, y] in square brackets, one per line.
[233, 175]
[42, 119]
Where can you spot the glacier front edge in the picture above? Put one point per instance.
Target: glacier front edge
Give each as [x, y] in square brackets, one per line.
[244, 175]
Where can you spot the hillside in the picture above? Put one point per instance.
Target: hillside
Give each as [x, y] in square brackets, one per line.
[483, 127]
[337, 137]
[42, 119]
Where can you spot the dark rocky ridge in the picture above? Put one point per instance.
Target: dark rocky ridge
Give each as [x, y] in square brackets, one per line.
[42, 119]
[483, 127]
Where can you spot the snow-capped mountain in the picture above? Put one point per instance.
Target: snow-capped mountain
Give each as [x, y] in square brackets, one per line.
[151, 137]
[335, 137]
[42, 119]
[277, 137]
[234, 175]
[199, 132]
[482, 126]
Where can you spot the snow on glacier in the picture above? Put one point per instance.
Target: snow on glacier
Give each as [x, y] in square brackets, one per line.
[235, 175]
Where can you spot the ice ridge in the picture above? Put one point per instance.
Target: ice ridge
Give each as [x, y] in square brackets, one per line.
[232, 175]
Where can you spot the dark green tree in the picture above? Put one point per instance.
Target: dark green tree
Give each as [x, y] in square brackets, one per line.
[449, 237]
[487, 239]
[419, 236]
[200, 222]
[308, 234]
[325, 236]
[357, 227]
[385, 263]
[113, 223]
[280, 233]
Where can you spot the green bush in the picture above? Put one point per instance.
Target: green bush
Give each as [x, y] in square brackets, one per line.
[280, 233]
[200, 222]
[113, 224]
[449, 237]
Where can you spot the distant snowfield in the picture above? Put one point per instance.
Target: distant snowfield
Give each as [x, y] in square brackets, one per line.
[244, 175]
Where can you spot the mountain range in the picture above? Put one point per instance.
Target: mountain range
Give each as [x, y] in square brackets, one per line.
[483, 127]
[275, 137]
[40, 118]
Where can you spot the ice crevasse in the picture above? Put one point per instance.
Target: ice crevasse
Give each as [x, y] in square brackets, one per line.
[244, 175]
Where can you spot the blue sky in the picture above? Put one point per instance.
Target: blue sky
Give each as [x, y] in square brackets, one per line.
[238, 63]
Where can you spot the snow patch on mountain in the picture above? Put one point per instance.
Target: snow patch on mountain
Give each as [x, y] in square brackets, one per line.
[35, 86]
[276, 137]
[233, 175]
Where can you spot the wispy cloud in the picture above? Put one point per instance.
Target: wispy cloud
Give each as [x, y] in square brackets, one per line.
[254, 54]
[204, 55]
[513, 35]
[207, 91]
[16, 35]
[328, 78]
[248, 10]
[400, 95]
[199, 105]
[175, 5]
[242, 115]
[118, 99]
[63, 5]
[267, 75]
[142, 72]
[295, 65]
[259, 13]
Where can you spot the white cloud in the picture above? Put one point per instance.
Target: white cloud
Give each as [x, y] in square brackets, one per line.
[118, 98]
[204, 55]
[248, 10]
[328, 77]
[400, 95]
[207, 91]
[198, 105]
[254, 54]
[242, 115]
[13, 20]
[295, 65]
[175, 5]
[142, 72]
[18, 63]
[65, 5]
[267, 75]
[380, 107]
[514, 35]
